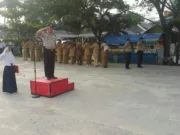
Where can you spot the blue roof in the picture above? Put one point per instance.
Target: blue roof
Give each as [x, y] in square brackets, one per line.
[119, 40]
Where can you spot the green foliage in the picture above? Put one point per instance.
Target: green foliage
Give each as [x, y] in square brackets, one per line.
[177, 22]
[71, 15]
[15, 41]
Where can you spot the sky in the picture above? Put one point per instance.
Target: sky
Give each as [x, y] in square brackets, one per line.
[153, 15]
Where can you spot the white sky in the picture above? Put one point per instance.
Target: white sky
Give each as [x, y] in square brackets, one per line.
[153, 15]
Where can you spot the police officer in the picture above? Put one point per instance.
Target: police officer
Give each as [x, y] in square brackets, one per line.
[140, 52]
[128, 51]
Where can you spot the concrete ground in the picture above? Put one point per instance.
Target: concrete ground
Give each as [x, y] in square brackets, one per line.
[111, 101]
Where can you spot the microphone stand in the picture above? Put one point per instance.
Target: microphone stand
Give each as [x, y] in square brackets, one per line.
[35, 96]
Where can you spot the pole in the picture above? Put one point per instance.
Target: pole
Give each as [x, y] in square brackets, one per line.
[35, 96]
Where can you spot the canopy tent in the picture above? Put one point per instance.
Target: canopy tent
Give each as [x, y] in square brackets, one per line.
[121, 40]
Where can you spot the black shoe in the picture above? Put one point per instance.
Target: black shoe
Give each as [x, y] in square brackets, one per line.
[47, 78]
[128, 68]
[54, 77]
[35, 96]
[140, 67]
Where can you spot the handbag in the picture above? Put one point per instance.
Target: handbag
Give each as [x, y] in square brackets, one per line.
[16, 68]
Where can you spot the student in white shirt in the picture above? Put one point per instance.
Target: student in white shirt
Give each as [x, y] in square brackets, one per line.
[9, 79]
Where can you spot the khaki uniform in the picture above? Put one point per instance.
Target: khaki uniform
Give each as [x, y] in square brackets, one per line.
[79, 54]
[59, 53]
[72, 54]
[65, 53]
[31, 51]
[88, 53]
[37, 52]
[96, 53]
[25, 51]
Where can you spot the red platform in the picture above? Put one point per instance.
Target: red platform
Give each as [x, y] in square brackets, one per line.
[50, 88]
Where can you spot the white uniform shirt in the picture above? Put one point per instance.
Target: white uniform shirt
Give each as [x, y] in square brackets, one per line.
[7, 57]
[49, 40]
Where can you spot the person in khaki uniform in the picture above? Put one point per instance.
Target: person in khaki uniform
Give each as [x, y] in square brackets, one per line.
[31, 50]
[88, 54]
[72, 51]
[96, 53]
[65, 53]
[79, 54]
[59, 52]
[105, 52]
[37, 51]
[25, 50]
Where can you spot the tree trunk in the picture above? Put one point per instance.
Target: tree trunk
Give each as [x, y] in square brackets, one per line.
[166, 30]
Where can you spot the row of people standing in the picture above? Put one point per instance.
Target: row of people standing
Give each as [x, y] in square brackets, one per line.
[77, 53]
[32, 50]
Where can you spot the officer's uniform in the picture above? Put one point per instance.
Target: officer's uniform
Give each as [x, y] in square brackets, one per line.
[140, 53]
[128, 51]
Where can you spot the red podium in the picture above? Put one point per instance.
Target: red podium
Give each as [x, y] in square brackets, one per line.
[50, 88]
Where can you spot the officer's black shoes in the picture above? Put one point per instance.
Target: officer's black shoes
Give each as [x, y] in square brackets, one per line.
[140, 66]
[128, 68]
[35, 96]
[47, 78]
[54, 77]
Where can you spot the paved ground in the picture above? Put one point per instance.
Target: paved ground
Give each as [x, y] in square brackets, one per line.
[110, 101]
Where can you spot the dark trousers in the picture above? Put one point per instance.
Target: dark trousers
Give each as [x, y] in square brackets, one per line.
[127, 59]
[49, 62]
[1, 50]
[139, 58]
[9, 80]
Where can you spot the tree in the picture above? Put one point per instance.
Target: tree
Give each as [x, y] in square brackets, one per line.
[19, 20]
[161, 6]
